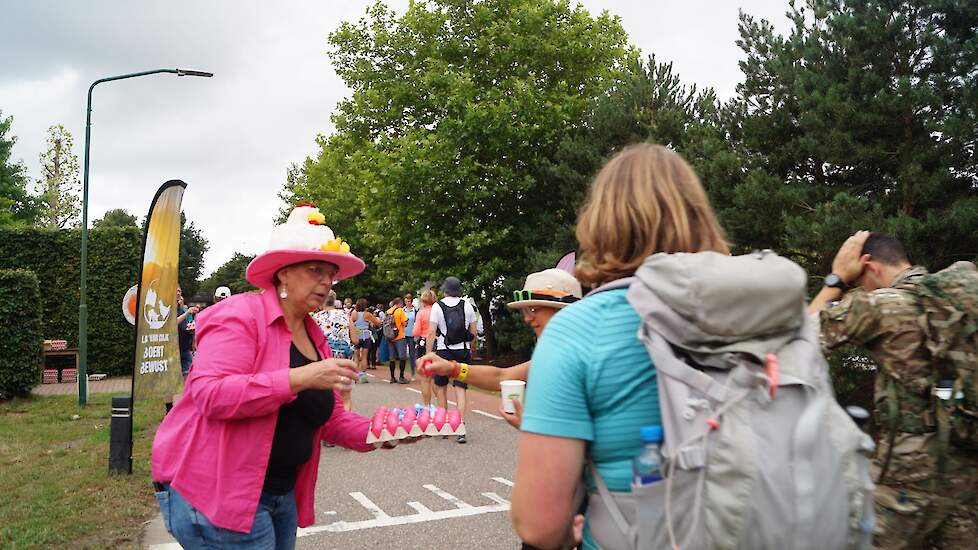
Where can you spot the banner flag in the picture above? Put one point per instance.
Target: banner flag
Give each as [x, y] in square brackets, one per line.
[156, 365]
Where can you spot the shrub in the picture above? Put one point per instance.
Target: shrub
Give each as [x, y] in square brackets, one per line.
[20, 332]
[113, 264]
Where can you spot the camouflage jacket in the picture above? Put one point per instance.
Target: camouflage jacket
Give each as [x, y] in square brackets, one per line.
[886, 322]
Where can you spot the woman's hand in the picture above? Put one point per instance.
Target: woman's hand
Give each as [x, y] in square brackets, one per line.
[328, 374]
[430, 364]
[514, 419]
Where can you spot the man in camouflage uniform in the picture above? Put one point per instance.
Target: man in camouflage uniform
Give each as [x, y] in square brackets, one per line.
[918, 500]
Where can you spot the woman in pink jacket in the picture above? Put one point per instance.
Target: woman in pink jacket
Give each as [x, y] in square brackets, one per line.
[235, 461]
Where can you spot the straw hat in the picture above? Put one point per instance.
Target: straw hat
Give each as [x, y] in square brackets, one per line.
[554, 288]
[304, 237]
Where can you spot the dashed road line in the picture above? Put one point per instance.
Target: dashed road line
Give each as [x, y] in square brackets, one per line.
[490, 415]
[504, 481]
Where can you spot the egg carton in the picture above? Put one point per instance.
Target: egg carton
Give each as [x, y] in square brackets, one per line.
[393, 425]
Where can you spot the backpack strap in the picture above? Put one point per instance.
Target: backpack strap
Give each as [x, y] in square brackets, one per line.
[614, 510]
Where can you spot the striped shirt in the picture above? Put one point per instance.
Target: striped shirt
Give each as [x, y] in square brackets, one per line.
[592, 379]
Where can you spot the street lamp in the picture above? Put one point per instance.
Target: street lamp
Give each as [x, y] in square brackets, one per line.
[82, 305]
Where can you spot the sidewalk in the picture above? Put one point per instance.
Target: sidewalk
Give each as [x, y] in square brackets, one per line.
[121, 385]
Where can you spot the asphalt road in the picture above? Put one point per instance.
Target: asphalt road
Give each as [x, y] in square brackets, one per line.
[434, 494]
[428, 473]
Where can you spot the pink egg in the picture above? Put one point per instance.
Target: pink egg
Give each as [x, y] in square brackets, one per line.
[424, 419]
[408, 421]
[377, 422]
[439, 418]
[393, 419]
[453, 418]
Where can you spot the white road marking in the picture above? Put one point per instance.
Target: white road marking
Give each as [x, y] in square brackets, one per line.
[420, 508]
[490, 415]
[369, 505]
[382, 519]
[496, 498]
[420, 517]
[449, 497]
[414, 390]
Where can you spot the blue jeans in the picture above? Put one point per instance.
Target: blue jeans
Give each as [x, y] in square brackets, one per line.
[186, 358]
[274, 527]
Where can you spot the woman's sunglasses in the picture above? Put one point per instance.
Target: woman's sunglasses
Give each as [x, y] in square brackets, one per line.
[520, 295]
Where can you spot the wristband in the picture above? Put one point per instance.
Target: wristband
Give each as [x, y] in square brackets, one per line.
[455, 370]
[463, 372]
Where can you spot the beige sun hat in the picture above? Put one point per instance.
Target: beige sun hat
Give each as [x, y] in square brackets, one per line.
[554, 288]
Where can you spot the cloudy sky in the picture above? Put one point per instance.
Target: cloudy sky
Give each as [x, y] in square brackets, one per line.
[232, 137]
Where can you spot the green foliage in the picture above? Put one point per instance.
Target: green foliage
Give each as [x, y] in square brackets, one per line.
[437, 165]
[113, 266]
[862, 117]
[20, 334]
[193, 246]
[117, 217]
[17, 207]
[60, 198]
[231, 274]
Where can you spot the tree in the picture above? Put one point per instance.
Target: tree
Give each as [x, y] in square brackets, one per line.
[59, 183]
[17, 207]
[863, 116]
[117, 217]
[231, 274]
[454, 108]
[193, 246]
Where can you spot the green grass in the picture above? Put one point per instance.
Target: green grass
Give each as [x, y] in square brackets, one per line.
[55, 489]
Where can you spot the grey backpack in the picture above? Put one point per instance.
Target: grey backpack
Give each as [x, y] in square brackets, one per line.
[757, 452]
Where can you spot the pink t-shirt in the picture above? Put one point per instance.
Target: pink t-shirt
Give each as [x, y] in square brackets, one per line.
[213, 447]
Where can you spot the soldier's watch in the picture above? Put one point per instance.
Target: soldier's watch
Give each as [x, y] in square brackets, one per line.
[834, 281]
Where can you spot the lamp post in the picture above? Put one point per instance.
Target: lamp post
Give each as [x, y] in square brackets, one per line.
[82, 305]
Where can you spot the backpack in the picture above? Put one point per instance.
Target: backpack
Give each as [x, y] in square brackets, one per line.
[757, 452]
[456, 329]
[389, 326]
[948, 304]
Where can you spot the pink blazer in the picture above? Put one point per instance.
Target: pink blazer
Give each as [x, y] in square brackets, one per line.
[213, 446]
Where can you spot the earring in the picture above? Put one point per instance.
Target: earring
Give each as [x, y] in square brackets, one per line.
[283, 294]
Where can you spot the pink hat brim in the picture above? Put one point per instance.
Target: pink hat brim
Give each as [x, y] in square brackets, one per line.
[263, 267]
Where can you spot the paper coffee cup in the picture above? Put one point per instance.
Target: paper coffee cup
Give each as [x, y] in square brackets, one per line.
[512, 390]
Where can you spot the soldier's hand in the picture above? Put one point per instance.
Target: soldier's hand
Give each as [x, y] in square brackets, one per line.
[847, 264]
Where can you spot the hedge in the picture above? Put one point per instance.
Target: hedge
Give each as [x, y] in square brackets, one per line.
[20, 333]
[54, 257]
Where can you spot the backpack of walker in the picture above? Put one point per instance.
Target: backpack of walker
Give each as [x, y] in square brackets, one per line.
[757, 452]
[948, 304]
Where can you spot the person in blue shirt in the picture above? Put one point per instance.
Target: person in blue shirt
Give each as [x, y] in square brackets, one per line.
[593, 385]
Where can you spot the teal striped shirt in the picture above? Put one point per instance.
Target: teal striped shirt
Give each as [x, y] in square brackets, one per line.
[592, 379]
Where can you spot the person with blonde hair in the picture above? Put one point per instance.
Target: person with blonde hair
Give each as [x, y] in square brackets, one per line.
[592, 385]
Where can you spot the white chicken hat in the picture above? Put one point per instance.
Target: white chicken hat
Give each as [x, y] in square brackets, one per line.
[304, 237]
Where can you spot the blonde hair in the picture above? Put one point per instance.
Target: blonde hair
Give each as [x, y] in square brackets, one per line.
[428, 297]
[645, 200]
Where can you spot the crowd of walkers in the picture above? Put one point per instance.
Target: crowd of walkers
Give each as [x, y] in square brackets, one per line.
[684, 402]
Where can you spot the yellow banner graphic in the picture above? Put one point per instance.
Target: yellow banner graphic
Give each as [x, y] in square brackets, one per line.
[156, 370]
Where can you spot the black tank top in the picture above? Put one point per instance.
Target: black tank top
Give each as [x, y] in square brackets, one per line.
[297, 423]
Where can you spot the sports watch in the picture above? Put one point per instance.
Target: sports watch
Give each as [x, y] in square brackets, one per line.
[834, 281]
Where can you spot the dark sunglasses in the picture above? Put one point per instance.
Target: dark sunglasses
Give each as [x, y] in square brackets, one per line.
[520, 295]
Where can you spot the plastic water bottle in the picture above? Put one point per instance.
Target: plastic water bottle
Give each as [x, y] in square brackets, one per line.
[647, 465]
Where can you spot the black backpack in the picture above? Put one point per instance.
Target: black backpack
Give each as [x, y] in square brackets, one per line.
[457, 330]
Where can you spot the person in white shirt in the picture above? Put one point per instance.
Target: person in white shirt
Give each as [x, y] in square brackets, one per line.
[452, 327]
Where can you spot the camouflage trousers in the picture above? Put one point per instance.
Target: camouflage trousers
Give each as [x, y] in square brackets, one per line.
[918, 509]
